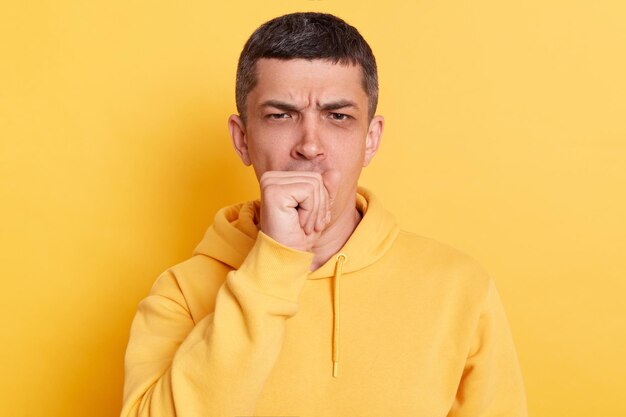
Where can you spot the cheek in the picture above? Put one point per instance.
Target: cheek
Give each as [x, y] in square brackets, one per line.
[350, 164]
[268, 153]
[349, 150]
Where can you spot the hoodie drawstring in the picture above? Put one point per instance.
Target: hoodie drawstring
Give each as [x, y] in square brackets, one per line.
[341, 259]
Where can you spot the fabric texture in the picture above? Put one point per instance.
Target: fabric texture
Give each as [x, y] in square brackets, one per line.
[393, 324]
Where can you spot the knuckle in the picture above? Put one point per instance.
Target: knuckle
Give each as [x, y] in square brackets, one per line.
[270, 190]
[317, 176]
[266, 176]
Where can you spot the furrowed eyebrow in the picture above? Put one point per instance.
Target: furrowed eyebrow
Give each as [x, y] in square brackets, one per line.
[333, 105]
[280, 105]
[340, 104]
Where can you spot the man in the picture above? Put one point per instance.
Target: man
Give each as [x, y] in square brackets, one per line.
[310, 301]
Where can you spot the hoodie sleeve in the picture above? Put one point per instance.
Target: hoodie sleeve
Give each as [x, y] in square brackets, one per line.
[219, 365]
[491, 384]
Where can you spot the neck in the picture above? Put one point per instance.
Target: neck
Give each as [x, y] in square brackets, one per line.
[334, 237]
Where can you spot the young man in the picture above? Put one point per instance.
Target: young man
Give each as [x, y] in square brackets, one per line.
[310, 301]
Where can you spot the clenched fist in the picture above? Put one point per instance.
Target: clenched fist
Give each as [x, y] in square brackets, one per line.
[296, 206]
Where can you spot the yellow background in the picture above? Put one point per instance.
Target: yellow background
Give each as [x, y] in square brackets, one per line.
[505, 137]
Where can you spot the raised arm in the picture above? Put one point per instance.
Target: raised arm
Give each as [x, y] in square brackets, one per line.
[219, 365]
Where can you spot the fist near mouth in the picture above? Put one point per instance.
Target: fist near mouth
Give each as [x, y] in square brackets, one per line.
[296, 206]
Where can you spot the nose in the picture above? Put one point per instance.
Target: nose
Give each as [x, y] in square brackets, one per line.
[309, 145]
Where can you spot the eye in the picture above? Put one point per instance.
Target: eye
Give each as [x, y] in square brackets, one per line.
[277, 116]
[339, 116]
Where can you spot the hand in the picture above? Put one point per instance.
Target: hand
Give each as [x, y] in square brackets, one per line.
[296, 206]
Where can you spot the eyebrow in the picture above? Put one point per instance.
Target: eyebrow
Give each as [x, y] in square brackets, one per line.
[339, 104]
[332, 105]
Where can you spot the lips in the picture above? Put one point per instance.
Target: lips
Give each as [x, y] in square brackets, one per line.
[308, 167]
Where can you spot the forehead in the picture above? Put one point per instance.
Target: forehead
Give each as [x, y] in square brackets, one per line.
[302, 79]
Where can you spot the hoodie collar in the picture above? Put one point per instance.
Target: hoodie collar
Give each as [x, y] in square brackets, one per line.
[234, 232]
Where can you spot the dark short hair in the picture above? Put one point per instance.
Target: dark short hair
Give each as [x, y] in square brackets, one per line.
[307, 36]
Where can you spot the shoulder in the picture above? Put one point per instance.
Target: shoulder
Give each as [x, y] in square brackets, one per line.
[439, 262]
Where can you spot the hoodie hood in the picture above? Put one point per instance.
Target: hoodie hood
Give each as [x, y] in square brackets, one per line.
[234, 231]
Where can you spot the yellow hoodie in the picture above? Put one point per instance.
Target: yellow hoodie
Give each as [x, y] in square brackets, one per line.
[393, 325]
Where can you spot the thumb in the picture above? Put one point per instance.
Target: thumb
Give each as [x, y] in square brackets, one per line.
[331, 180]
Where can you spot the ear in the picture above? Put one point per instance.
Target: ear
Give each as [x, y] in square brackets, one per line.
[237, 129]
[372, 140]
